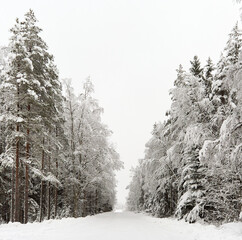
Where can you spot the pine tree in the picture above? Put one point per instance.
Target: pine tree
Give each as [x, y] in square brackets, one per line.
[196, 69]
[227, 62]
[221, 67]
[208, 76]
[15, 85]
[233, 45]
[33, 82]
[42, 164]
[191, 190]
[180, 76]
[219, 94]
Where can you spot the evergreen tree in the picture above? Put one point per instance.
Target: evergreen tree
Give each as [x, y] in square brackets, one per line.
[219, 93]
[198, 146]
[221, 67]
[180, 76]
[33, 82]
[226, 64]
[208, 77]
[55, 157]
[191, 189]
[208, 69]
[233, 46]
[196, 69]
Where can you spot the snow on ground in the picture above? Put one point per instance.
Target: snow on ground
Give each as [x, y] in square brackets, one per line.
[119, 226]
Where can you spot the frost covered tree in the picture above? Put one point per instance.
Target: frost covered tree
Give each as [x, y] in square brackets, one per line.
[135, 199]
[191, 200]
[208, 76]
[196, 69]
[221, 155]
[233, 45]
[55, 156]
[192, 163]
[32, 81]
[92, 159]
[227, 64]
[180, 76]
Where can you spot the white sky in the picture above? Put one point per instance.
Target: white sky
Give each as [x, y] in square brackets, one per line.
[131, 49]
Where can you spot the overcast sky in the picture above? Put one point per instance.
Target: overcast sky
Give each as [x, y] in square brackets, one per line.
[131, 49]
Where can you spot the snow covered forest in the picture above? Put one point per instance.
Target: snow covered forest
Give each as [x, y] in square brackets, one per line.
[56, 159]
[192, 167]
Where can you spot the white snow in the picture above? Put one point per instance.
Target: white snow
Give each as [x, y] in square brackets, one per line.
[33, 94]
[36, 82]
[117, 226]
[29, 63]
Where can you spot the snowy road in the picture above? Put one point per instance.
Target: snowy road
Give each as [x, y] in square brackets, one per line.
[117, 226]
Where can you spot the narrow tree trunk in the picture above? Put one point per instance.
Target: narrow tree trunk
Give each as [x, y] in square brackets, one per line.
[17, 200]
[48, 200]
[26, 195]
[73, 159]
[42, 183]
[96, 201]
[171, 199]
[56, 166]
[41, 201]
[84, 203]
[12, 197]
[48, 189]
[74, 201]
[26, 198]
[56, 194]
[21, 193]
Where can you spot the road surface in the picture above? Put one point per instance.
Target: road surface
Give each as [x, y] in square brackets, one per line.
[118, 226]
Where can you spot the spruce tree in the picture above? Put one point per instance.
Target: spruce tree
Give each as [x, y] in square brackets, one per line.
[196, 69]
[227, 62]
[219, 93]
[191, 190]
[208, 69]
[208, 76]
[233, 45]
[180, 76]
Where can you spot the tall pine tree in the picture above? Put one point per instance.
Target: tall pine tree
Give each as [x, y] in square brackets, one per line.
[196, 69]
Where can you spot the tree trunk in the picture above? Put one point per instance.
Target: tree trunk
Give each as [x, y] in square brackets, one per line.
[56, 165]
[26, 195]
[48, 188]
[12, 197]
[26, 198]
[17, 200]
[56, 193]
[84, 203]
[73, 159]
[48, 200]
[42, 183]
[74, 201]
[171, 198]
[96, 202]
[21, 193]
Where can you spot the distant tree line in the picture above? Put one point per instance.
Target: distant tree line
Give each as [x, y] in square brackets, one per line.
[56, 159]
[192, 167]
